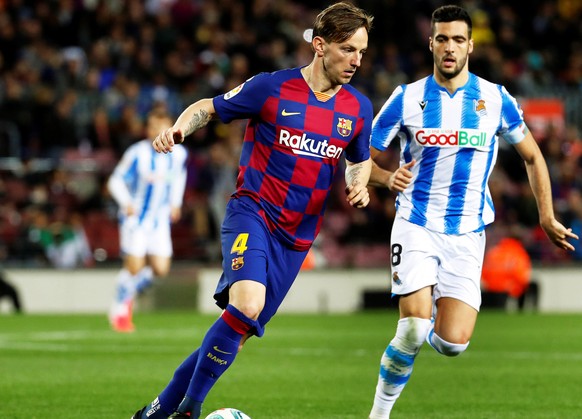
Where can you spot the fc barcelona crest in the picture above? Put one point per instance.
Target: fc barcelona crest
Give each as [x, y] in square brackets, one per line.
[237, 263]
[344, 126]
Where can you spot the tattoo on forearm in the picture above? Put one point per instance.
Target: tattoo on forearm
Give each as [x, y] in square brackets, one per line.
[353, 173]
[198, 121]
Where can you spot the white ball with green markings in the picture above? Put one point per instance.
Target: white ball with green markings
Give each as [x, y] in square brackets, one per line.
[227, 413]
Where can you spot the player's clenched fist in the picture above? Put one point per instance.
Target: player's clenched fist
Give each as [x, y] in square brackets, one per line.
[357, 195]
[166, 139]
[401, 178]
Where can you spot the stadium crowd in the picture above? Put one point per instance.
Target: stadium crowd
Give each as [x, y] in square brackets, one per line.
[77, 78]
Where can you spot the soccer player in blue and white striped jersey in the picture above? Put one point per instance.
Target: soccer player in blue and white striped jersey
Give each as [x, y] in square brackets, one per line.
[449, 125]
[149, 189]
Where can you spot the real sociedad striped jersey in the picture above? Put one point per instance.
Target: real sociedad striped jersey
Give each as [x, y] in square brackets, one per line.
[152, 182]
[454, 139]
[292, 146]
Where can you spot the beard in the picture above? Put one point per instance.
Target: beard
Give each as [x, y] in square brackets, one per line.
[450, 73]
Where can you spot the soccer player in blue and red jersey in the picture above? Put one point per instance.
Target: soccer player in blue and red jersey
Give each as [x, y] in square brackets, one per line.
[302, 122]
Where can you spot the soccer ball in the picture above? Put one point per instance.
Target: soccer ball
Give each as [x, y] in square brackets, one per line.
[227, 413]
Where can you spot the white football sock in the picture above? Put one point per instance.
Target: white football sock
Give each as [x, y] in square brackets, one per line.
[124, 295]
[396, 364]
[144, 279]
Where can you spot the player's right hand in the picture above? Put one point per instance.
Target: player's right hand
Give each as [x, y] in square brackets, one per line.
[401, 178]
[166, 140]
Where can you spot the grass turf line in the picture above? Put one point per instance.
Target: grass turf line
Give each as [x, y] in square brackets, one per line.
[306, 366]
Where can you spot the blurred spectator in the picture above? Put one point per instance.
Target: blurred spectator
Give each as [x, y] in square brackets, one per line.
[66, 245]
[8, 291]
[29, 246]
[507, 272]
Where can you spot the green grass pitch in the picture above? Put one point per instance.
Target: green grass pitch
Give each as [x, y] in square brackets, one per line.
[306, 366]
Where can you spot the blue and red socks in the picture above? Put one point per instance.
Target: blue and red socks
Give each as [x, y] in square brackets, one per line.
[194, 378]
[217, 352]
[169, 399]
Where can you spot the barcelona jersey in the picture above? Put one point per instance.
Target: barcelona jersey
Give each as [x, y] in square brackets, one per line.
[292, 146]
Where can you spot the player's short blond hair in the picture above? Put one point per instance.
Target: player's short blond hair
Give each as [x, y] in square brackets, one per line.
[340, 21]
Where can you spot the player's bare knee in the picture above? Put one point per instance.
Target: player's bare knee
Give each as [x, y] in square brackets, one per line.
[250, 309]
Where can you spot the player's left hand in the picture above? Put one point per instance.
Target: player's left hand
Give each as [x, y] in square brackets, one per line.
[559, 234]
[357, 195]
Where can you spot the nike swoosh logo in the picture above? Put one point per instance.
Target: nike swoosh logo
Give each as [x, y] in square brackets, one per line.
[285, 113]
[222, 352]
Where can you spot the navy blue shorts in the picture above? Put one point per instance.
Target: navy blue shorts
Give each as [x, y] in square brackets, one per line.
[251, 252]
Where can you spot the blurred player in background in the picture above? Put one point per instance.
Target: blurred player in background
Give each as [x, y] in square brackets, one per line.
[449, 125]
[302, 123]
[149, 189]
